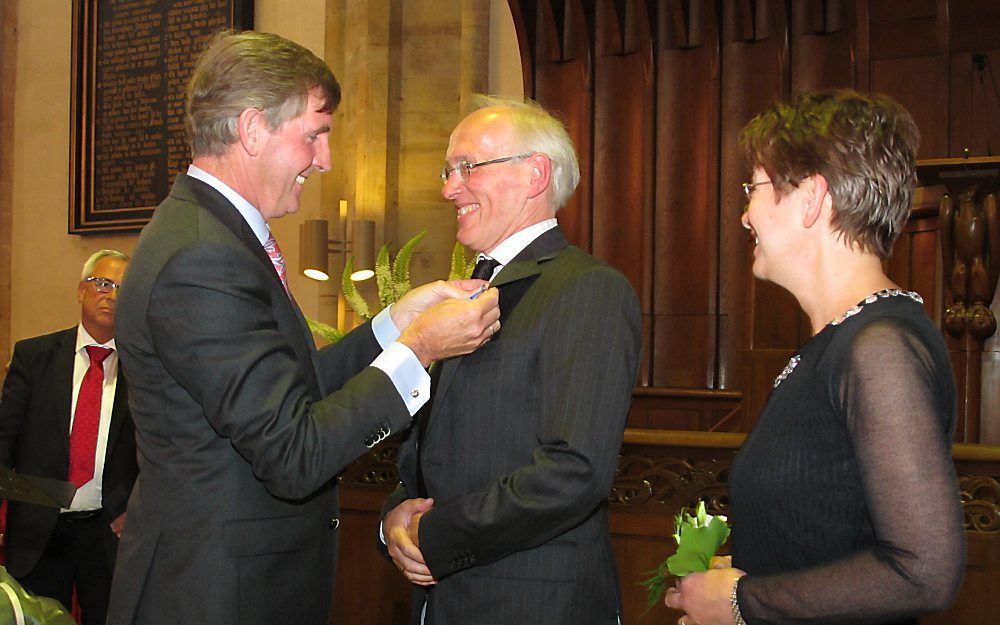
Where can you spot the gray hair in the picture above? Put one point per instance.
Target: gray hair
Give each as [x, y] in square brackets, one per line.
[537, 130]
[865, 145]
[88, 267]
[243, 70]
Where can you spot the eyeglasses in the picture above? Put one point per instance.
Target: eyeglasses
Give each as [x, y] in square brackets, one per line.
[102, 285]
[748, 187]
[464, 168]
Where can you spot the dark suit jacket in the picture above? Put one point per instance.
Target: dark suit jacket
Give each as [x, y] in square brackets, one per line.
[233, 518]
[34, 440]
[519, 447]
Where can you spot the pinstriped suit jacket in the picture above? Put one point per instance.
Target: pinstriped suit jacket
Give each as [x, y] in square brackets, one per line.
[519, 446]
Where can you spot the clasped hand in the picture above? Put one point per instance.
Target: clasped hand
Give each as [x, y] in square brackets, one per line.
[705, 598]
[401, 531]
[438, 320]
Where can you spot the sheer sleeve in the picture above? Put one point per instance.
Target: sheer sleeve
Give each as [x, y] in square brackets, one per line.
[894, 398]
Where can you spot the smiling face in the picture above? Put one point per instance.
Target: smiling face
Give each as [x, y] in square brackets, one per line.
[773, 227]
[97, 310]
[288, 155]
[498, 200]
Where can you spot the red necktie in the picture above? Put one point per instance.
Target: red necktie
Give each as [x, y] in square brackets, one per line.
[87, 418]
[277, 259]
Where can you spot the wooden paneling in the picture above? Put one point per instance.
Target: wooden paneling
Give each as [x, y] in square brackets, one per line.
[821, 32]
[974, 107]
[755, 73]
[563, 81]
[659, 472]
[686, 222]
[622, 210]
[686, 409]
[707, 323]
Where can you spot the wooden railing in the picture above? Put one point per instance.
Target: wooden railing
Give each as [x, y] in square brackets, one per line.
[659, 472]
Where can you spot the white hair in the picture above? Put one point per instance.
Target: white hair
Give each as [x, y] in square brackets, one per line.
[537, 130]
[88, 267]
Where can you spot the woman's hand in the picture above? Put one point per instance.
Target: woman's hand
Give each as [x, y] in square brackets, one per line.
[705, 597]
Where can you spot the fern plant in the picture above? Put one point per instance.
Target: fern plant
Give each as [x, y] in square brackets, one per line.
[460, 267]
[392, 278]
[392, 281]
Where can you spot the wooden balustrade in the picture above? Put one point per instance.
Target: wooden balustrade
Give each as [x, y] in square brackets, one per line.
[659, 472]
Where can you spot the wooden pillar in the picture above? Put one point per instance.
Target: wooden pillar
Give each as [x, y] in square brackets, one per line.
[970, 241]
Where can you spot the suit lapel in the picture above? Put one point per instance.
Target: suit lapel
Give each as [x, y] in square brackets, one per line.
[62, 382]
[513, 282]
[118, 411]
[223, 210]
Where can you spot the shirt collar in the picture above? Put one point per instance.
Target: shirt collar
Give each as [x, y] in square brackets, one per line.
[83, 339]
[513, 245]
[250, 214]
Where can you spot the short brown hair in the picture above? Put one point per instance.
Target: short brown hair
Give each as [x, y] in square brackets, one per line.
[864, 145]
[241, 70]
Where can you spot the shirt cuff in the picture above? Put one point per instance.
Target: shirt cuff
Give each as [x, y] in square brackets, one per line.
[384, 329]
[407, 374]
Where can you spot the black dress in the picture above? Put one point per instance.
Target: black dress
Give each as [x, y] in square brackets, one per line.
[844, 499]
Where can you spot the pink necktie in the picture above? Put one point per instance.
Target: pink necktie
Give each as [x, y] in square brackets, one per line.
[87, 418]
[277, 258]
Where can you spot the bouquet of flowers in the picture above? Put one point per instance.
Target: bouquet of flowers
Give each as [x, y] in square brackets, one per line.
[698, 538]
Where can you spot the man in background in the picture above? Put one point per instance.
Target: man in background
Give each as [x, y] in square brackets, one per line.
[241, 424]
[501, 516]
[64, 416]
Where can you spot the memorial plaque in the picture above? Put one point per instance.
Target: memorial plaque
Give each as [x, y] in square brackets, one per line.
[132, 62]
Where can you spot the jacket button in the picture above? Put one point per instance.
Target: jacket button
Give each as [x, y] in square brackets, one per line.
[334, 523]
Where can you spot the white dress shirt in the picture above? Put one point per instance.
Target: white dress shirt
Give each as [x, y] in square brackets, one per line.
[515, 244]
[88, 496]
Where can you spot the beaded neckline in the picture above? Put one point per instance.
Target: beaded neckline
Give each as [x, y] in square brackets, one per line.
[854, 310]
[883, 294]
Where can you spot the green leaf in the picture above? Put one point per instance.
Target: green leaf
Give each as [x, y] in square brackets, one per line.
[656, 584]
[350, 291]
[460, 267]
[383, 277]
[698, 538]
[326, 331]
[401, 266]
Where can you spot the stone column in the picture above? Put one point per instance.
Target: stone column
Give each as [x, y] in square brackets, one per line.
[405, 68]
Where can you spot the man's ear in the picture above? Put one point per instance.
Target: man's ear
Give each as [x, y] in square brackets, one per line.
[815, 196]
[250, 125]
[541, 174]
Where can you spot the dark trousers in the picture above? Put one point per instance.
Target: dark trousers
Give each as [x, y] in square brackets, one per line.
[75, 555]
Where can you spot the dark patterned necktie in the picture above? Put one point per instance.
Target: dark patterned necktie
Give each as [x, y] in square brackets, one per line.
[87, 418]
[484, 268]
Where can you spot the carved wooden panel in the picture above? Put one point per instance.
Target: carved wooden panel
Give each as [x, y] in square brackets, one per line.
[658, 474]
